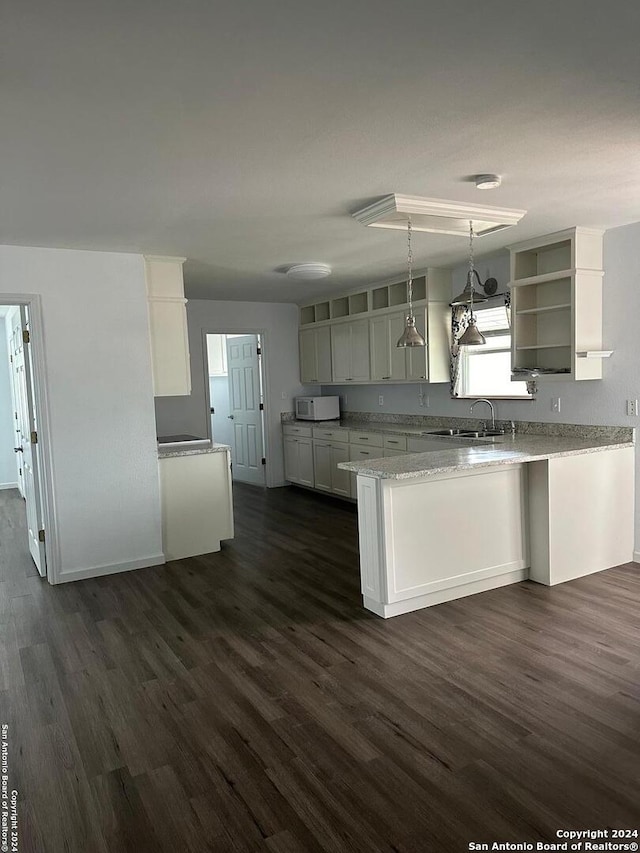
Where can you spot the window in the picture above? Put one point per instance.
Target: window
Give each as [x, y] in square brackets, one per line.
[485, 370]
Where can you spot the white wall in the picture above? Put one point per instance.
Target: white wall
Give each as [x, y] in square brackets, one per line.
[105, 470]
[591, 402]
[278, 323]
[8, 468]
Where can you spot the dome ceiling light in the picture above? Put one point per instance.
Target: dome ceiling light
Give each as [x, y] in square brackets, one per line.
[488, 182]
[436, 215]
[309, 272]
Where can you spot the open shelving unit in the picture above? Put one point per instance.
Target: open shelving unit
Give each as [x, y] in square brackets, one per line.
[556, 305]
[376, 299]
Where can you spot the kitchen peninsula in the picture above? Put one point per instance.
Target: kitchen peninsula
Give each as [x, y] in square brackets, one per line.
[448, 523]
[196, 496]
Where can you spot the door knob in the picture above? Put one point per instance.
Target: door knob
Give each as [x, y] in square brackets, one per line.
[231, 417]
[18, 450]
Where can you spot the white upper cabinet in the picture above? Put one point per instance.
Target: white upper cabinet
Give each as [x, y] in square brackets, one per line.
[350, 351]
[315, 355]
[556, 306]
[356, 334]
[387, 361]
[168, 326]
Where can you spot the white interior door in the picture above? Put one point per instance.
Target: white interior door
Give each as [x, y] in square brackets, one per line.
[243, 366]
[15, 326]
[28, 434]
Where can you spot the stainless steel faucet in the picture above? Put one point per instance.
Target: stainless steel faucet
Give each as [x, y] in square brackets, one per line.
[490, 404]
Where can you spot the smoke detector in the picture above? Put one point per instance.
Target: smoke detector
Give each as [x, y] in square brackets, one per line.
[436, 215]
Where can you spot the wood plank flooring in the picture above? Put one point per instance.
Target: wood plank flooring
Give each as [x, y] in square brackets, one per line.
[244, 701]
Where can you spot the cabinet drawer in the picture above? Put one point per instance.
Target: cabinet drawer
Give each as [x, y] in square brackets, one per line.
[368, 439]
[331, 434]
[395, 442]
[389, 452]
[357, 453]
[294, 429]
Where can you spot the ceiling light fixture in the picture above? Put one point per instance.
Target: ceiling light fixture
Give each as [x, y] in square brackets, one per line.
[411, 337]
[488, 182]
[472, 335]
[436, 215]
[308, 272]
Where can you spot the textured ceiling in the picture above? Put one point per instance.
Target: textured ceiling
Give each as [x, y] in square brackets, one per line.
[243, 134]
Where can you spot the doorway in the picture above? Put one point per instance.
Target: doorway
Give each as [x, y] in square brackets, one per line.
[236, 401]
[20, 435]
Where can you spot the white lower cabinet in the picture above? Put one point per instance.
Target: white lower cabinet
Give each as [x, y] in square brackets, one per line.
[298, 460]
[197, 504]
[328, 477]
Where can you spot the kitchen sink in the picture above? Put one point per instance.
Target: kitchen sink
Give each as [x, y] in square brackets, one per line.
[466, 433]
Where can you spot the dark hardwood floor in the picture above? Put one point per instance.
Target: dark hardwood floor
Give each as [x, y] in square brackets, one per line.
[244, 701]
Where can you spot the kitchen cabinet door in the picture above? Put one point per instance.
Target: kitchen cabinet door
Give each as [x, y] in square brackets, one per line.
[171, 366]
[305, 462]
[315, 355]
[340, 480]
[341, 352]
[323, 354]
[416, 357]
[308, 357]
[322, 466]
[380, 354]
[359, 350]
[291, 460]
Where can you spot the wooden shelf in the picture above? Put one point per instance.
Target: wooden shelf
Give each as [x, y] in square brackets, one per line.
[542, 279]
[545, 346]
[556, 291]
[560, 307]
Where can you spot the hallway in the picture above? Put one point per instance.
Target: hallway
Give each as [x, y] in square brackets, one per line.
[244, 701]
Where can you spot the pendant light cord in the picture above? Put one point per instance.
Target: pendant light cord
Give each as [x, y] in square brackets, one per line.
[471, 265]
[410, 265]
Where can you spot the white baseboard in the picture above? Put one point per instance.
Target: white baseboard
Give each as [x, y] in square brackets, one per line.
[8, 485]
[100, 571]
[398, 608]
[636, 556]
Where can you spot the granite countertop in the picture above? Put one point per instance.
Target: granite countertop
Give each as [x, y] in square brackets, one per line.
[481, 454]
[185, 450]
[365, 426]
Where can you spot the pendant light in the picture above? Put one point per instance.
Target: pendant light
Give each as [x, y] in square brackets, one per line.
[472, 335]
[411, 337]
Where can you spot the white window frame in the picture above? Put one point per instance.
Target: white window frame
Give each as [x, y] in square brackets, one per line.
[486, 349]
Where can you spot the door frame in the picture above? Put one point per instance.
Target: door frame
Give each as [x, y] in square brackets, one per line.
[33, 301]
[264, 376]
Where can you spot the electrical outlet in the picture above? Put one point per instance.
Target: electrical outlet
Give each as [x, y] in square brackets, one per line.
[632, 408]
[284, 395]
[555, 404]
[380, 400]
